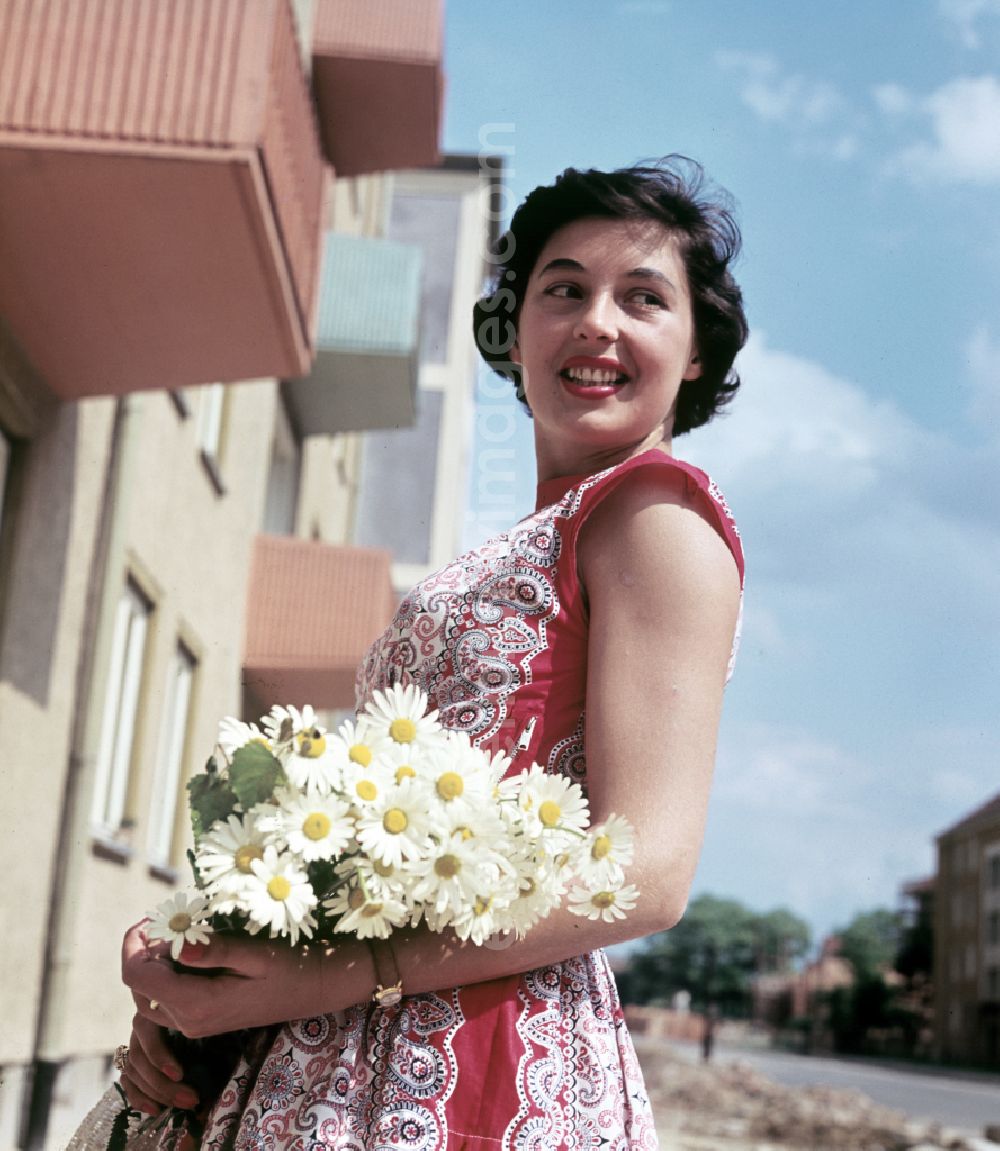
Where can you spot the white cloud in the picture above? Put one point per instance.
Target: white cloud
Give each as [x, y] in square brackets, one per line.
[893, 99]
[967, 17]
[782, 97]
[962, 144]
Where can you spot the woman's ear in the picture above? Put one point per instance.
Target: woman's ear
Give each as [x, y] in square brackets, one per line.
[693, 371]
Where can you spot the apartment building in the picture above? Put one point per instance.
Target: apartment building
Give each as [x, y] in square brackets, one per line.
[967, 939]
[229, 284]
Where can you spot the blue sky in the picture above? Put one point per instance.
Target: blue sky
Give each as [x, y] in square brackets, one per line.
[862, 144]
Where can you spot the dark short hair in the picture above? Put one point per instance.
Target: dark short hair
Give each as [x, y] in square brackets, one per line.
[673, 192]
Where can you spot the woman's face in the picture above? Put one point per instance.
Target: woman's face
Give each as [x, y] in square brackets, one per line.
[605, 337]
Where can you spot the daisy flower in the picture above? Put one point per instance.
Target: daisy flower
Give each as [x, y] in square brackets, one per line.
[312, 766]
[609, 847]
[450, 876]
[400, 714]
[365, 787]
[548, 802]
[359, 743]
[313, 826]
[608, 905]
[280, 897]
[227, 850]
[234, 734]
[460, 774]
[368, 916]
[396, 827]
[180, 919]
[284, 724]
[481, 919]
[378, 880]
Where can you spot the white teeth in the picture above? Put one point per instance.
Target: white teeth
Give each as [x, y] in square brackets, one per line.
[594, 375]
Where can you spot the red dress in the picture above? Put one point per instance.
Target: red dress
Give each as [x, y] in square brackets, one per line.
[537, 1061]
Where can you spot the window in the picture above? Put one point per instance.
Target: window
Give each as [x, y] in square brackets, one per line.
[121, 704]
[281, 504]
[210, 430]
[432, 222]
[993, 927]
[170, 759]
[993, 871]
[396, 490]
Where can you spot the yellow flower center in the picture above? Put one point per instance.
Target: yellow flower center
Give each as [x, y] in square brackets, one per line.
[603, 899]
[279, 888]
[528, 888]
[360, 753]
[601, 848]
[366, 789]
[383, 869]
[394, 821]
[245, 855]
[180, 921]
[450, 785]
[482, 904]
[312, 744]
[403, 730]
[550, 813]
[404, 771]
[464, 833]
[447, 866]
[316, 825]
[356, 899]
[371, 910]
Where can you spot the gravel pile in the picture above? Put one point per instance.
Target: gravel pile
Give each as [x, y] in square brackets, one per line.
[732, 1107]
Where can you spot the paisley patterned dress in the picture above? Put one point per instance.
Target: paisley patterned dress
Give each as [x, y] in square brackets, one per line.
[537, 1061]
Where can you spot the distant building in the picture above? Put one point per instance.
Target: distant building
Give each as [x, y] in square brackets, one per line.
[967, 938]
[800, 999]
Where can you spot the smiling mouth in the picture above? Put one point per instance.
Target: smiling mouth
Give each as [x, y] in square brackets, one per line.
[595, 377]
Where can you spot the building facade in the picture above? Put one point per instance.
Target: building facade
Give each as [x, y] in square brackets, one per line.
[211, 344]
[967, 939]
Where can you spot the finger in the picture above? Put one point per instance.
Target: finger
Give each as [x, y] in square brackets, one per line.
[155, 1071]
[138, 1098]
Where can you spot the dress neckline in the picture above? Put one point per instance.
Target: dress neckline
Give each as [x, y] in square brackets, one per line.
[551, 491]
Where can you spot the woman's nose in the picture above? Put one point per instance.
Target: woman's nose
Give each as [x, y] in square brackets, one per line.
[597, 318]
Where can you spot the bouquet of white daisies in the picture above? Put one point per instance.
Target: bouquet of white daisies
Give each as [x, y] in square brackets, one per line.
[388, 822]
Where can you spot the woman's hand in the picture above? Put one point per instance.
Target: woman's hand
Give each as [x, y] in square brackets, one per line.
[152, 1076]
[238, 982]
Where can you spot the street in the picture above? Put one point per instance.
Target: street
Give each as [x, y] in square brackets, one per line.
[955, 1099]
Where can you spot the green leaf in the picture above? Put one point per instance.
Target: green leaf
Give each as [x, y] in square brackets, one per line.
[253, 774]
[210, 799]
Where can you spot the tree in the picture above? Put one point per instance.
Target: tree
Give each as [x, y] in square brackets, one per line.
[781, 938]
[870, 942]
[713, 953]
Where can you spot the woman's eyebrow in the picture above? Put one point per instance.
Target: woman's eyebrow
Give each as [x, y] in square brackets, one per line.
[651, 274]
[562, 262]
[641, 273]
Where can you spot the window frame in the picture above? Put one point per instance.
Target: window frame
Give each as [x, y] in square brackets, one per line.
[172, 750]
[109, 818]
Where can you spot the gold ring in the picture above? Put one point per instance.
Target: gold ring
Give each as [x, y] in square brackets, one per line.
[120, 1058]
[154, 1004]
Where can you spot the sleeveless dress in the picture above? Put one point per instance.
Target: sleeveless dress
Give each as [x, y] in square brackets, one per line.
[539, 1061]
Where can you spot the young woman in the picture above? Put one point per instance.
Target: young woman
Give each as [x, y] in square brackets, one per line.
[595, 638]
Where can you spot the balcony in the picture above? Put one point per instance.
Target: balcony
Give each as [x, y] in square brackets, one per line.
[367, 340]
[312, 611]
[383, 56]
[161, 182]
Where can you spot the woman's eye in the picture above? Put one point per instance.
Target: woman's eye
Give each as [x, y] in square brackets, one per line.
[563, 291]
[648, 299]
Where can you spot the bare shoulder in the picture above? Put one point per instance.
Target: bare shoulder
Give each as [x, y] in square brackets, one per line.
[651, 535]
